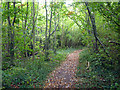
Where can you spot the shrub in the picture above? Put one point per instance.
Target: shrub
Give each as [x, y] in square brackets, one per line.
[100, 73]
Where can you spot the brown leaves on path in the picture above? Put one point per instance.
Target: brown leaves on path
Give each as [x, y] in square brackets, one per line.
[64, 76]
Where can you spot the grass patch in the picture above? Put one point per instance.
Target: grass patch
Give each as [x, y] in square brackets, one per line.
[66, 51]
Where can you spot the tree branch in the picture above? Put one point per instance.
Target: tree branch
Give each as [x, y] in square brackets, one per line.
[26, 15]
[9, 15]
[108, 16]
[114, 42]
[75, 22]
[103, 46]
[14, 14]
[54, 30]
[93, 25]
[50, 22]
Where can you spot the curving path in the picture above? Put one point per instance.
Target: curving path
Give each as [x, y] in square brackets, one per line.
[64, 76]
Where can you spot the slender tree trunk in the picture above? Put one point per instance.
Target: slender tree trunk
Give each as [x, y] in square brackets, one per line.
[88, 22]
[94, 30]
[62, 37]
[54, 41]
[93, 25]
[37, 32]
[37, 10]
[11, 33]
[40, 37]
[9, 29]
[46, 41]
[22, 17]
[33, 30]
[59, 43]
[66, 39]
[25, 53]
[50, 25]
[1, 22]
[22, 30]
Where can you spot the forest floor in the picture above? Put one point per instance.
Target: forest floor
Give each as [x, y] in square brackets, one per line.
[64, 76]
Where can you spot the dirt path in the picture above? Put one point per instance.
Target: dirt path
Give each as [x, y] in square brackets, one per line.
[64, 76]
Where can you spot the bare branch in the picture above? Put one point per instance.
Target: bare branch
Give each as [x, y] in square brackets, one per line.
[114, 42]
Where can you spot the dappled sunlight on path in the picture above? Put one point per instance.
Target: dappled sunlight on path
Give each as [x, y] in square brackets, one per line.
[64, 76]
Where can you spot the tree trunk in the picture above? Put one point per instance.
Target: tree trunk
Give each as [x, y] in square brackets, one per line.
[9, 30]
[11, 33]
[54, 41]
[33, 30]
[93, 25]
[1, 22]
[50, 27]
[22, 30]
[25, 53]
[62, 37]
[88, 22]
[46, 42]
[94, 30]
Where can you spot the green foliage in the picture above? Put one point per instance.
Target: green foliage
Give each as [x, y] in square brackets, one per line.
[28, 73]
[97, 75]
[65, 51]
[74, 29]
[14, 76]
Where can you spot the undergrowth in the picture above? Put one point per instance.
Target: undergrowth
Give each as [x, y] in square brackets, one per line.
[97, 75]
[32, 74]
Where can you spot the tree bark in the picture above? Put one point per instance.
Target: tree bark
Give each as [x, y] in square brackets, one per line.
[50, 26]
[25, 52]
[46, 41]
[9, 28]
[54, 46]
[11, 33]
[1, 22]
[33, 30]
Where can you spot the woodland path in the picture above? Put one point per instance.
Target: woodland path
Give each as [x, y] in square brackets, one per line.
[64, 75]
